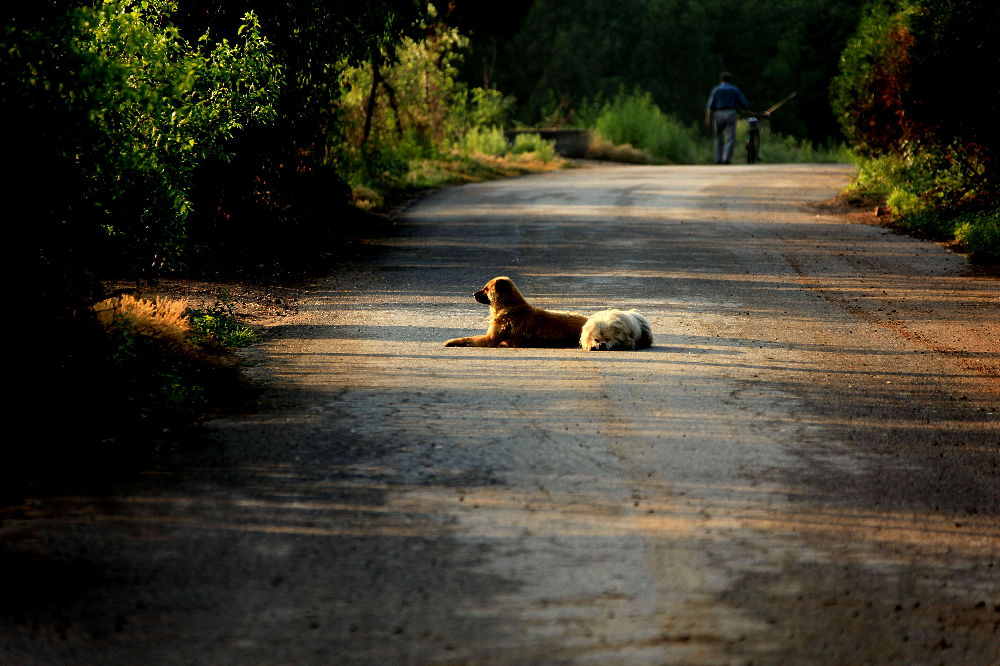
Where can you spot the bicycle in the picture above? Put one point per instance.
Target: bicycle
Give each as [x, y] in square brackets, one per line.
[753, 139]
[753, 134]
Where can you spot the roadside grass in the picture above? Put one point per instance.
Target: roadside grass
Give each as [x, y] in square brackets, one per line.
[936, 197]
[482, 154]
[163, 359]
[219, 325]
[120, 380]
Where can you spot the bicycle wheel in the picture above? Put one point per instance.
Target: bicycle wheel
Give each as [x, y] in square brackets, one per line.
[753, 146]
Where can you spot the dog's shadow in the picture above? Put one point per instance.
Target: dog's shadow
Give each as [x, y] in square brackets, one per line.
[436, 335]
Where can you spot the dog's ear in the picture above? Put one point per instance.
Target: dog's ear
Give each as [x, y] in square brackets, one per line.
[502, 286]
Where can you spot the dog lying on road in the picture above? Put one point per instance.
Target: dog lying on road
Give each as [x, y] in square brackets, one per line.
[516, 323]
[616, 330]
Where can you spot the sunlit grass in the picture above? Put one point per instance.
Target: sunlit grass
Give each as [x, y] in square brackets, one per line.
[220, 325]
[456, 167]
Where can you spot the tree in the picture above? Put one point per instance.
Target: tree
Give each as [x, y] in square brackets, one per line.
[121, 110]
[907, 83]
[912, 98]
[567, 53]
[874, 75]
[284, 188]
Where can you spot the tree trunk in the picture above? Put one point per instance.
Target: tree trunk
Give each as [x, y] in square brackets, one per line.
[370, 107]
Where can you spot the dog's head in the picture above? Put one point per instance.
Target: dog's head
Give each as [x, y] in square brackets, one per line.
[499, 293]
[601, 335]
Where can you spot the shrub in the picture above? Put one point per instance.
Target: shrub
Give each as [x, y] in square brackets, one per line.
[932, 161]
[935, 194]
[162, 107]
[867, 94]
[634, 119]
[980, 233]
[484, 141]
[156, 364]
[219, 325]
[536, 145]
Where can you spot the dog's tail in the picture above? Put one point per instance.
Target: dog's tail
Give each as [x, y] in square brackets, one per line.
[645, 333]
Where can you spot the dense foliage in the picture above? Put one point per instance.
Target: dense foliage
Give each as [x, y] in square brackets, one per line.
[570, 53]
[916, 99]
[397, 113]
[122, 111]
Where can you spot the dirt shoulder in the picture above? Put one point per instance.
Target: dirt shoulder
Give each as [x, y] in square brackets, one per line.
[852, 210]
[257, 303]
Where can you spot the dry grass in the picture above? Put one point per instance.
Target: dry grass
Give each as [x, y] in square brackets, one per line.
[159, 318]
[600, 148]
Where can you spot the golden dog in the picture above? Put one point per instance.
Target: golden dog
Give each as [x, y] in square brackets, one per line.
[516, 323]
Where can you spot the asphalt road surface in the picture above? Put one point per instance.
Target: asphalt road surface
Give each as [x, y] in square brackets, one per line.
[802, 470]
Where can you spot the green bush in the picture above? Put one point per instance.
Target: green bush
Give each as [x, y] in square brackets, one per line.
[634, 119]
[484, 141]
[980, 233]
[219, 324]
[935, 194]
[166, 106]
[128, 110]
[534, 143]
[876, 177]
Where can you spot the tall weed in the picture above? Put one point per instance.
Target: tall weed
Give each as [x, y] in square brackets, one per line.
[634, 119]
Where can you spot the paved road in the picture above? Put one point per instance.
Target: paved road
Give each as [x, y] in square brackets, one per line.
[803, 470]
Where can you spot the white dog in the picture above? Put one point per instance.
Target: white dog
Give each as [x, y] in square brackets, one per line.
[620, 330]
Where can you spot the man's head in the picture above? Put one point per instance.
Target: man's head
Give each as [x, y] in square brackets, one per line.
[726, 77]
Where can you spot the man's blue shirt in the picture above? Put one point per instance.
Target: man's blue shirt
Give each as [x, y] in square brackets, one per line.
[726, 96]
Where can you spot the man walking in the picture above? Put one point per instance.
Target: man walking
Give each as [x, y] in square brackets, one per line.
[720, 114]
